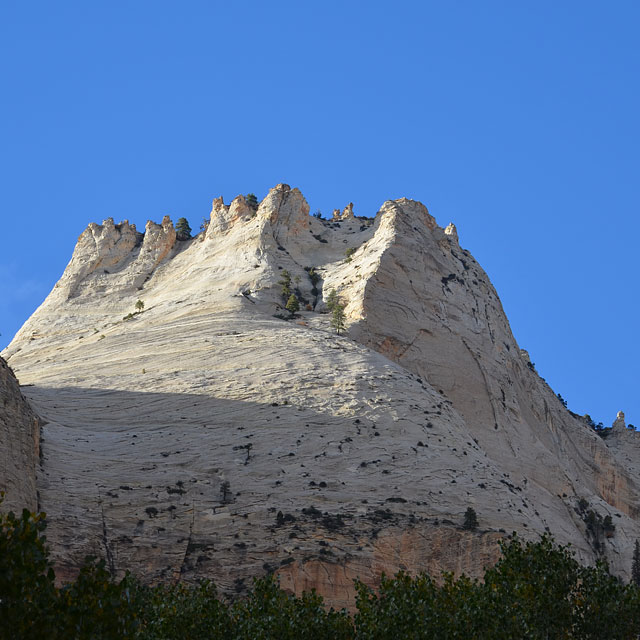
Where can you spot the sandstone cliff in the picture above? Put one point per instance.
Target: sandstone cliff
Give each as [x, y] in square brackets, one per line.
[19, 445]
[209, 436]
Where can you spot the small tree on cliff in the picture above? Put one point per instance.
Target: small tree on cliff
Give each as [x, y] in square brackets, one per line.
[338, 317]
[292, 305]
[337, 311]
[470, 519]
[332, 299]
[225, 492]
[183, 230]
[139, 306]
[285, 283]
[252, 201]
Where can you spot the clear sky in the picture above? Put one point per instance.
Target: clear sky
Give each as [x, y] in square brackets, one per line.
[518, 121]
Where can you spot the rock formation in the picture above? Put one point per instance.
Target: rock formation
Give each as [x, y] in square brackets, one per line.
[619, 424]
[19, 445]
[208, 436]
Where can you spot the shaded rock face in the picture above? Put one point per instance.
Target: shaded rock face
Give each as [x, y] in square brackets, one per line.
[20, 442]
[207, 437]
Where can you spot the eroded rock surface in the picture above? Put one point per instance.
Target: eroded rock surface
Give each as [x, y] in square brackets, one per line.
[19, 445]
[208, 436]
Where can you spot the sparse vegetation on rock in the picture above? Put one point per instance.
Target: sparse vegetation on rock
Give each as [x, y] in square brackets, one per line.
[251, 200]
[470, 519]
[285, 284]
[292, 306]
[225, 491]
[183, 230]
[338, 318]
[424, 363]
[336, 307]
[332, 299]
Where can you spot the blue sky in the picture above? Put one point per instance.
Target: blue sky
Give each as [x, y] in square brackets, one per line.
[516, 120]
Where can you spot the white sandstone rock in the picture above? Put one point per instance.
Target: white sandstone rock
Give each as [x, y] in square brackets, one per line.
[427, 405]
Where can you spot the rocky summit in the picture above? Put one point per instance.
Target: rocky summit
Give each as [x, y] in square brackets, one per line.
[189, 425]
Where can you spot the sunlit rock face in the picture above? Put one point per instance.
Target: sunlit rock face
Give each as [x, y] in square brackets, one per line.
[195, 429]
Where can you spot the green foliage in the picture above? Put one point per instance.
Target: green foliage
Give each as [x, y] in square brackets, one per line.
[318, 214]
[95, 606]
[27, 592]
[337, 311]
[603, 607]
[182, 611]
[531, 587]
[332, 299]
[139, 306]
[608, 526]
[285, 284]
[598, 428]
[251, 200]
[539, 590]
[293, 306]
[418, 608]
[348, 253]
[313, 275]
[635, 565]
[183, 230]
[597, 527]
[338, 319]
[536, 591]
[269, 612]
[470, 519]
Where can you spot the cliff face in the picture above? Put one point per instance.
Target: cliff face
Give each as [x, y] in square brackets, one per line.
[20, 443]
[208, 436]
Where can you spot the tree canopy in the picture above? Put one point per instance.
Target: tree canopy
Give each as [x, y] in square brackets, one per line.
[537, 590]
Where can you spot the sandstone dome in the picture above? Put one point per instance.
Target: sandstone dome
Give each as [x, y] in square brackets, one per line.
[206, 434]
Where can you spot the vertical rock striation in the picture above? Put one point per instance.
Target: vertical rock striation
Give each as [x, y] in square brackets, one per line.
[19, 445]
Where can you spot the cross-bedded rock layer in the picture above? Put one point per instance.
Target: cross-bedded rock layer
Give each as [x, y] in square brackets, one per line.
[207, 436]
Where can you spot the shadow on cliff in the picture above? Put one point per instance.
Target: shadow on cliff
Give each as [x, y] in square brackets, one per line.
[187, 486]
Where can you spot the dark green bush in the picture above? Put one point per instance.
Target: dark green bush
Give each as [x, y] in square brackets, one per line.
[28, 596]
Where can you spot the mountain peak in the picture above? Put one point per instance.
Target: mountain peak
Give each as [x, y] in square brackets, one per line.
[172, 367]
